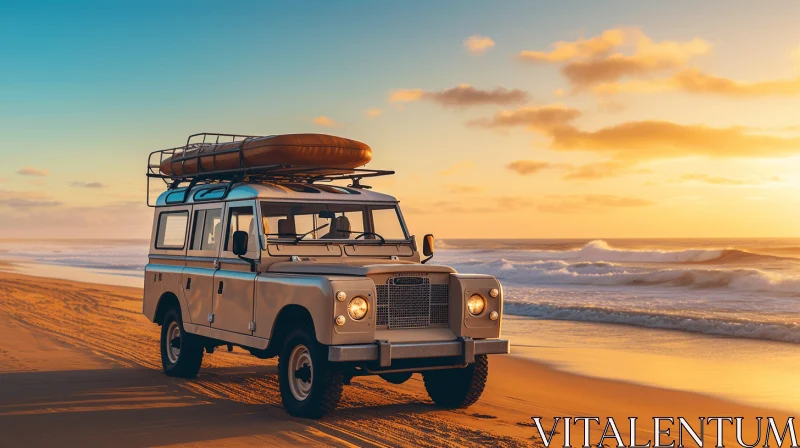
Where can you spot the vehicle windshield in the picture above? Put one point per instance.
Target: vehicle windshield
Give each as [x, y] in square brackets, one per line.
[302, 222]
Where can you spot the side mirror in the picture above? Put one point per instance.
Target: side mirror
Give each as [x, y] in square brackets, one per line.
[427, 247]
[240, 238]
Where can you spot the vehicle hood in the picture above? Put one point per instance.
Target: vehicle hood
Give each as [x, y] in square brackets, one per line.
[300, 267]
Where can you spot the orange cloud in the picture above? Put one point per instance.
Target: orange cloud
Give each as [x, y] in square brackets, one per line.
[477, 44]
[463, 96]
[581, 48]
[29, 171]
[643, 140]
[458, 168]
[591, 61]
[650, 57]
[527, 167]
[406, 95]
[535, 118]
[465, 189]
[726, 181]
[603, 170]
[695, 81]
[325, 122]
[374, 113]
[589, 203]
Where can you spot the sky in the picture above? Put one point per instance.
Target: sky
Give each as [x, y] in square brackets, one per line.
[502, 120]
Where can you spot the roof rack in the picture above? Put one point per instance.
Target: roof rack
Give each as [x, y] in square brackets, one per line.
[256, 174]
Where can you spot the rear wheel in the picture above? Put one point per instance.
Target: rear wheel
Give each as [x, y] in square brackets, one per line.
[181, 354]
[310, 385]
[457, 388]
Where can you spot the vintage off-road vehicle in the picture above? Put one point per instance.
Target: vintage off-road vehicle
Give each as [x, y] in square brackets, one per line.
[279, 261]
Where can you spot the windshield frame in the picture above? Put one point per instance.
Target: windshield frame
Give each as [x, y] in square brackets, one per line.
[368, 207]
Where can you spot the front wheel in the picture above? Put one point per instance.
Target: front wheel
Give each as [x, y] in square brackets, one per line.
[310, 385]
[181, 355]
[457, 388]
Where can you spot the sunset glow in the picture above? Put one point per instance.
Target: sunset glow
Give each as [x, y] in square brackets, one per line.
[615, 123]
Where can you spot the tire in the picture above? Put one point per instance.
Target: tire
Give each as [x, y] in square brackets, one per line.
[310, 385]
[181, 354]
[457, 388]
[397, 378]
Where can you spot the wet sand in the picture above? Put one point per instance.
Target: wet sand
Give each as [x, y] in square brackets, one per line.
[79, 366]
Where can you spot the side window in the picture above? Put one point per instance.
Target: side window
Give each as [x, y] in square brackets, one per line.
[171, 233]
[207, 228]
[242, 218]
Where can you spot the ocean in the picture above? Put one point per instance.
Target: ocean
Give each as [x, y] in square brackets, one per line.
[718, 317]
[743, 288]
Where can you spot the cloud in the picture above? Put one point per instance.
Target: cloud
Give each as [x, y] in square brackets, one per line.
[500, 204]
[374, 112]
[698, 82]
[535, 118]
[458, 168]
[586, 62]
[29, 171]
[650, 57]
[27, 203]
[527, 167]
[325, 122]
[88, 184]
[25, 199]
[477, 44]
[642, 140]
[726, 181]
[581, 48]
[465, 189]
[589, 203]
[406, 95]
[603, 170]
[463, 96]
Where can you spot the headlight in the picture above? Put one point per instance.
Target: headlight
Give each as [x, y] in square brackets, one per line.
[476, 304]
[357, 308]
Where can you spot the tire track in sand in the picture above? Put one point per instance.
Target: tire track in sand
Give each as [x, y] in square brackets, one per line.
[108, 321]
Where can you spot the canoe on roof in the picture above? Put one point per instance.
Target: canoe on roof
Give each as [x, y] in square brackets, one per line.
[311, 150]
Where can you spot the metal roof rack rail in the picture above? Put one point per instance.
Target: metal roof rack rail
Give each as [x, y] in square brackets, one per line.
[254, 174]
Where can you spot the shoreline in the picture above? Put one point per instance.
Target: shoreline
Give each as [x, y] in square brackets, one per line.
[589, 342]
[101, 326]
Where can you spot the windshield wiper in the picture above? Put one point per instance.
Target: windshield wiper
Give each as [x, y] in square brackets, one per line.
[300, 237]
[364, 234]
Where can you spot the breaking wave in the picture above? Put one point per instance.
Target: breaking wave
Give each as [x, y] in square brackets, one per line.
[728, 326]
[599, 250]
[589, 273]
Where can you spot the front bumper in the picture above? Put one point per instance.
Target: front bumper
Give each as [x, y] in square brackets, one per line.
[384, 352]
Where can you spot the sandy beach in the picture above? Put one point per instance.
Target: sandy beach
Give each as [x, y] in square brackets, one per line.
[79, 366]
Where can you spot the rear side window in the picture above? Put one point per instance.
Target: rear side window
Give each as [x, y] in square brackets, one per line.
[207, 229]
[171, 232]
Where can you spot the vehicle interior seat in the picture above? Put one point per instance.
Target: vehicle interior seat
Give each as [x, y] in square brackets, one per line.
[339, 230]
[286, 228]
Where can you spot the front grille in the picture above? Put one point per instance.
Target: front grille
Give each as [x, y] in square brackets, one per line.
[412, 302]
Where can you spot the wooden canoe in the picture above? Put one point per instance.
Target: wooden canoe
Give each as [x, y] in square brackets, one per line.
[310, 150]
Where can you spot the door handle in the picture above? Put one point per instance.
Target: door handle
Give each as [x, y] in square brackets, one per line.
[219, 290]
[188, 283]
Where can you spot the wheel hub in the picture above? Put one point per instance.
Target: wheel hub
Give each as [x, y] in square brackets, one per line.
[173, 342]
[301, 372]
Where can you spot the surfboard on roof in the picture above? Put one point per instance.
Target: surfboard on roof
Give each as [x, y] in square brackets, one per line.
[312, 150]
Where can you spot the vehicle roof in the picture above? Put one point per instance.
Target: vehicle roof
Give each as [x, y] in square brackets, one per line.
[282, 192]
